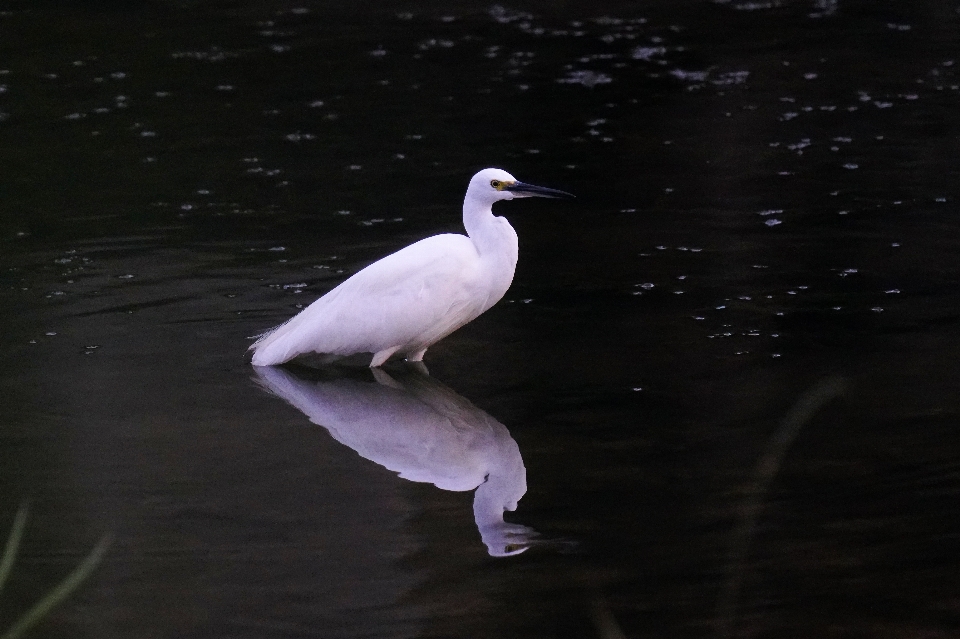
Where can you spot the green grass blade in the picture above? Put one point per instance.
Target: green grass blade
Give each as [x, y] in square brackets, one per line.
[13, 543]
[61, 591]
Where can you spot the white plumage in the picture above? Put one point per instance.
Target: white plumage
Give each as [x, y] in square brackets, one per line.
[407, 301]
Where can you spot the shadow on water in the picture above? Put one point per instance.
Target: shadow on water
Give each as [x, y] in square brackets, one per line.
[417, 427]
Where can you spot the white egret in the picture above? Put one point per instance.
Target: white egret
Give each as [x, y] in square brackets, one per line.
[407, 301]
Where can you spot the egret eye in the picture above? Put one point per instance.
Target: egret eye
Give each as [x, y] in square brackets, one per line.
[497, 184]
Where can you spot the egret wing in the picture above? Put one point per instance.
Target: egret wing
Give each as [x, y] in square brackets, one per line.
[416, 295]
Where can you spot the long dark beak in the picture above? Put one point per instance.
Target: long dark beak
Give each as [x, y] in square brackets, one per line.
[523, 189]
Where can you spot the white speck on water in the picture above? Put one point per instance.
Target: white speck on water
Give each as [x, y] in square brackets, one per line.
[585, 78]
[299, 137]
[773, 222]
[851, 166]
[689, 76]
[893, 291]
[646, 53]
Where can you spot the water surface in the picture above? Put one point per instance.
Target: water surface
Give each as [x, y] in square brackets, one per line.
[728, 369]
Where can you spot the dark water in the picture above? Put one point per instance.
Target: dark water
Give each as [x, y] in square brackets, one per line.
[728, 371]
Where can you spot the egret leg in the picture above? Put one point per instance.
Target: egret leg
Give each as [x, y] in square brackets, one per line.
[383, 379]
[381, 357]
[416, 357]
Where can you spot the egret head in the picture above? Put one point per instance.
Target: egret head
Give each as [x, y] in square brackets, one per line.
[492, 185]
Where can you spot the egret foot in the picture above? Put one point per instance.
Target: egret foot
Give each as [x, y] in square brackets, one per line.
[418, 356]
[380, 358]
[381, 377]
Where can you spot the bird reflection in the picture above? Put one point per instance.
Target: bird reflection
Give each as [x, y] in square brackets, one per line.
[417, 427]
